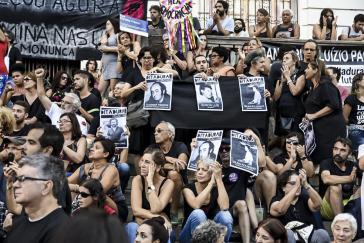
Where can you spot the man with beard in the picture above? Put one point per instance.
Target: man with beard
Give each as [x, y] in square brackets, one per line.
[69, 103]
[239, 29]
[354, 32]
[115, 133]
[20, 110]
[156, 18]
[220, 23]
[338, 177]
[287, 29]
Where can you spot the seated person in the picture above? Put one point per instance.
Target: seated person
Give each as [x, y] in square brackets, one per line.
[150, 192]
[344, 228]
[355, 32]
[219, 55]
[204, 200]
[209, 232]
[338, 175]
[287, 29]
[292, 203]
[220, 23]
[327, 28]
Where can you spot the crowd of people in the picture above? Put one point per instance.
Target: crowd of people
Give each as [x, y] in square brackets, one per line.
[63, 180]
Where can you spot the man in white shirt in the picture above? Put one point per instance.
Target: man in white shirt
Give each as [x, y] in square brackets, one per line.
[69, 103]
[355, 32]
[220, 23]
[239, 29]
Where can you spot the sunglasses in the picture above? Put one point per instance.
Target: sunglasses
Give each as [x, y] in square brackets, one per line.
[27, 79]
[64, 77]
[224, 148]
[292, 142]
[84, 194]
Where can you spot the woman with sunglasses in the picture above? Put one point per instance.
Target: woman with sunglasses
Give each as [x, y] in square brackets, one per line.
[61, 84]
[151, 191]
[290, 109]
[92, 195]
[293, 156]
[74, 147]
[100, 168]
[201, 49]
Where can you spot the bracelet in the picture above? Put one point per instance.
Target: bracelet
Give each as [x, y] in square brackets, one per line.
[289, 81]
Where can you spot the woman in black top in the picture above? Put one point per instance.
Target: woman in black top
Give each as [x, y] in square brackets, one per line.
[262, 29]
[74, 147]
[324, 109]
[204, 200]
[150, 191]
[61, 84]
[293, 156]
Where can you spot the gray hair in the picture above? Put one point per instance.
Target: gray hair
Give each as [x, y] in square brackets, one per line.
[171, 128]
[254, 56]
[76, 100]
[288, 10]
[346, 217]
[208, 232]
[48, 167]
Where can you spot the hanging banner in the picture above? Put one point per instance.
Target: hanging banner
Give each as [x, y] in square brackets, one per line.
[133, 17]
[58, 29]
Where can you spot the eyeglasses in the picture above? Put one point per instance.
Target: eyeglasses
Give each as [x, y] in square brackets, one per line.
[84, 194]
[214, 55]
[160, 130]
[27, 79]
[309, 49]
[292, 142]
[224, 148]
[23, 178]
[63, 121]
[66, 102]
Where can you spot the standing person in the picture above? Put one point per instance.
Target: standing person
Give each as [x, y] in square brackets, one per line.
[74, 147]
[293, 204]
[355, 32]
[37, 181]
[156, 21]
[150, 192]
[13, 52]
[204, 200]
[175, 58]
[220, 23]
[262, 28]
[327, 28]
[20, 110]
[287, 29]
[99, 168]
[239, 29]
[3, 49]
[109, 51]
[128, 51]
[324, 109]
[61, 84]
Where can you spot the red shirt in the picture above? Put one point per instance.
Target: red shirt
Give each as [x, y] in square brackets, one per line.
[3, 50]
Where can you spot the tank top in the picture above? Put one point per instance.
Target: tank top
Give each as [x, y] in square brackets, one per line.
[72, 166]
[286, 31]
[262, 34]
[145, 202]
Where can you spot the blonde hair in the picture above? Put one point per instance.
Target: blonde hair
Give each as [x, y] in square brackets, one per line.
[7, 120]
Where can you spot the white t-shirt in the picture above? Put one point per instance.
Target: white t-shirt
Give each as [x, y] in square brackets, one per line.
[360, 151]
[55, 113]
[241, 34]
[352, 34]
[227, 24]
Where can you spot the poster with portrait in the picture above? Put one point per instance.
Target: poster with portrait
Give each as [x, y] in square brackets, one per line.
[158, 95]
[113, 125]
[252, 94]
[207, 147]
[243, 153]
[208, 94]
[309, 135]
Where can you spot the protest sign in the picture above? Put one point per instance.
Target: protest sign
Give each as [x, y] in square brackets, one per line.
[113, 125]
[208, 94]
[252, 94]
[243, 153]
[207, 147]
[309, 135]
[158, 96]
[133, 17]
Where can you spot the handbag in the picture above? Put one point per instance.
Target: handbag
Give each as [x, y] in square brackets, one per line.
[136, 116]
[302, 232]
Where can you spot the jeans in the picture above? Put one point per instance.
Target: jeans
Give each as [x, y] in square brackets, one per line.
[124, 174]
[318, 236]
[357, 137]
[198, 216]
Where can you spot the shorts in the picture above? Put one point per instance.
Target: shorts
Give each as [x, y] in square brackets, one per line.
[326, 211]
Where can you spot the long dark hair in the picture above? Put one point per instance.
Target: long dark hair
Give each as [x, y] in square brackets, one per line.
[114, 24]
[95, 188]
[355, 84]
[323, 13]
[76, 130]
[275, 228]
[57, 80]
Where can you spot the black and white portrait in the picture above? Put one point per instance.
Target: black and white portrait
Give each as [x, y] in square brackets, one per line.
[252, 94]
[208, 94]
[158, 94]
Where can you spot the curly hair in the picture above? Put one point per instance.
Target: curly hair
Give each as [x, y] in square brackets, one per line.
[208, 232]
[7, 121]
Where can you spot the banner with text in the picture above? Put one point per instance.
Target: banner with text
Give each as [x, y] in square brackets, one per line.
[59, 29]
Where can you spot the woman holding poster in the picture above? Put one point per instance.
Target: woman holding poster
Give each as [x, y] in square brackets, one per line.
[206, 199]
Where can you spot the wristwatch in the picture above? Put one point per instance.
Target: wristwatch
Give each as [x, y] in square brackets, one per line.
[151, 188]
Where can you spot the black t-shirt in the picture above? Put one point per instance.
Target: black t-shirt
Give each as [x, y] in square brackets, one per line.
[210, 209]
[91, 104]
[14, 56]
[328, 164]
[282, 159]
[134, 78]
[42, 231]
[175, 66]
[275, 73]
[22, 132]
[36, 109]
[236, 183]
[297, 212]
[356, 115]
[97, 93]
